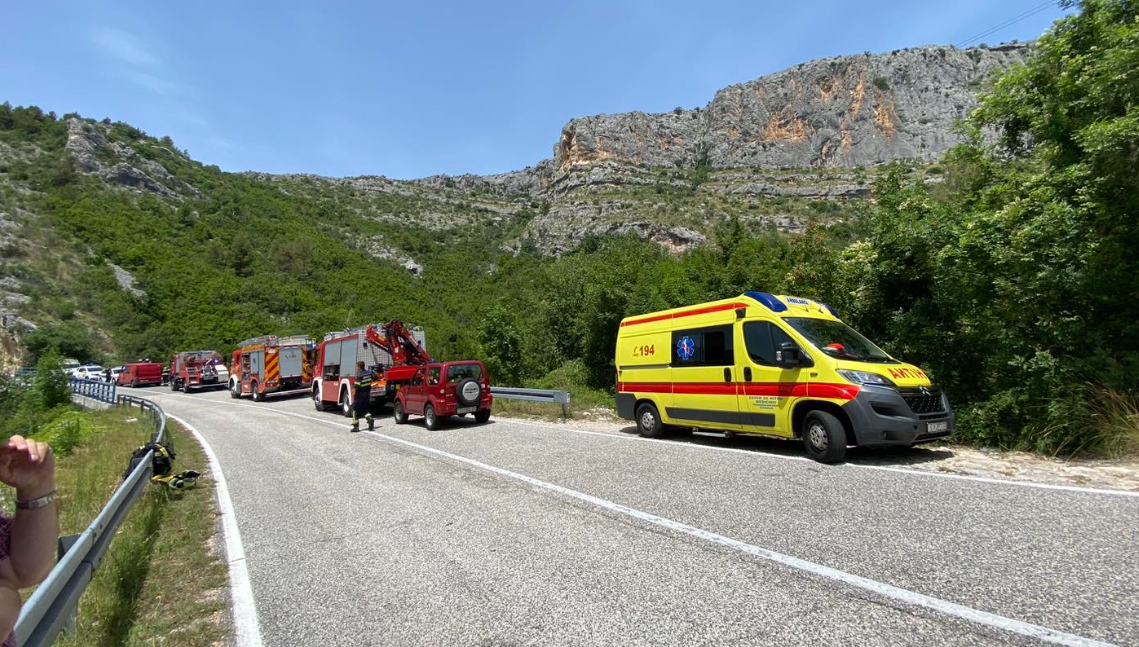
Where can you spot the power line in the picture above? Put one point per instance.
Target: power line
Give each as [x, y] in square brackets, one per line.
[1009, 22]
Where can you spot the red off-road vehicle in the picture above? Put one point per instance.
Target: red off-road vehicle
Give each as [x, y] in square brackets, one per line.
[444, 389]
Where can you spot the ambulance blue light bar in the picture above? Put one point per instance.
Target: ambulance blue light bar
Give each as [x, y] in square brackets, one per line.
[773, 304]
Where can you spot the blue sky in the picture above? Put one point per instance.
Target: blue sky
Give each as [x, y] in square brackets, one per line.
[411, 89]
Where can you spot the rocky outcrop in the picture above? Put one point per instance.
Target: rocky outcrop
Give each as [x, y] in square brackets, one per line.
[528, 181]
[117, 163]
[843, 111]
[126, 281]
[378, 249]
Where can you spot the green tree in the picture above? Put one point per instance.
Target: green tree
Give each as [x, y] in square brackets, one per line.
[50, 388]
[501, 343]
[1009, 279]
[68, 339]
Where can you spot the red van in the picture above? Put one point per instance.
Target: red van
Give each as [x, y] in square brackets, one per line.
[141, 374]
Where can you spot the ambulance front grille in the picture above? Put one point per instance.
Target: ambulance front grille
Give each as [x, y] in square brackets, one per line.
[919, 402]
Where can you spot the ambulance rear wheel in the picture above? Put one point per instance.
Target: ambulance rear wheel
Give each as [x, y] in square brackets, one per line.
[648, 421]
[824, 437]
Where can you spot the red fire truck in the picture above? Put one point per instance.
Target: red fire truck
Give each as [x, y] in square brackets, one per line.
[272, 365]
[196, 369]
[381, 346]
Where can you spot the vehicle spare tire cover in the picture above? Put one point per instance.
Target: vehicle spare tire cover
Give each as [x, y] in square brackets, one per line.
[468, 391]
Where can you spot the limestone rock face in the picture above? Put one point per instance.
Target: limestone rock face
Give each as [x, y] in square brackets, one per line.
[842, 111]
[119, 164]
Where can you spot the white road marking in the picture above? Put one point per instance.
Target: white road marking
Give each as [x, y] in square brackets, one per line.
[750, 452]
[245, 621]
[896, 593]
[883, 468]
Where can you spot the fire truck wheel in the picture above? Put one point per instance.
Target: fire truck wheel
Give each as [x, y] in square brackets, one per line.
[430, 420]
[316, 402]
[398, 413]
[173, 385]
[234, 392]
[346, 403]
[185, 387]
[648, 421]
[257, 397]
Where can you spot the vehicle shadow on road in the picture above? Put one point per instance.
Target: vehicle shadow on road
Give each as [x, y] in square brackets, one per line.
[884, 456]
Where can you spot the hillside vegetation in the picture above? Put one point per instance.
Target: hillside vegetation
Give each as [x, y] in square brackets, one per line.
[1008, 270]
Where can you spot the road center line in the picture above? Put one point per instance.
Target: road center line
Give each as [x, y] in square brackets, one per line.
[886, 590]
[246, 625]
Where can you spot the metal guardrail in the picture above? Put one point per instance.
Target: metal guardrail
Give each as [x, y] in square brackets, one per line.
[95, 389]
[54, 604]
[533, 395]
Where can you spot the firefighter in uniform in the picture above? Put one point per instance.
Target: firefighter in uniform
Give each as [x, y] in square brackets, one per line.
[362, 397]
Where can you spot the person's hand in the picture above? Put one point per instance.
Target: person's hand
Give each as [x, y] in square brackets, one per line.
[27, 465]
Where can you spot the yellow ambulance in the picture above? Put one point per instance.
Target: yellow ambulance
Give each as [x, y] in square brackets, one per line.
[777, 366]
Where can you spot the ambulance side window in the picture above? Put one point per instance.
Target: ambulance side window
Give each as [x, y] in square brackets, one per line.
[761, 339]
[757, 338]
[710, 346]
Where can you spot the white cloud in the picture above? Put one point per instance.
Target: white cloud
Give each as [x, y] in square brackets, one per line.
[159, 85]
[125, 47]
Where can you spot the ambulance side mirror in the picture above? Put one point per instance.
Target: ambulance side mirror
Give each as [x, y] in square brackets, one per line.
[790, 356]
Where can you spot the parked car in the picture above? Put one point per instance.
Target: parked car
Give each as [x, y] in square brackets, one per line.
[115, 372]
[89, 372]
[140, 374]
[443, 389]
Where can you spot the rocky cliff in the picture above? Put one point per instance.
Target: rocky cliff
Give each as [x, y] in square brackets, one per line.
[843, 111]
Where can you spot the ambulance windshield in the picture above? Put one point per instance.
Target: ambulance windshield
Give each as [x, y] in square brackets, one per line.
[839, 340]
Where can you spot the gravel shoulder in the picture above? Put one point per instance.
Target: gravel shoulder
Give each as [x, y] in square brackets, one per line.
[1108, 474]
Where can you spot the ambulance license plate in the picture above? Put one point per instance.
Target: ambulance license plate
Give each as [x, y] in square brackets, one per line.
[473, 409]
[935, 427]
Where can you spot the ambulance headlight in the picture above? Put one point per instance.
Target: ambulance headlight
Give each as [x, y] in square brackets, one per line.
[864, 377]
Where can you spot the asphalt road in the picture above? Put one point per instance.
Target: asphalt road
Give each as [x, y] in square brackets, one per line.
[521, 533]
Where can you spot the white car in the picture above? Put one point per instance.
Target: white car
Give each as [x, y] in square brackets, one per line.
[89, 372]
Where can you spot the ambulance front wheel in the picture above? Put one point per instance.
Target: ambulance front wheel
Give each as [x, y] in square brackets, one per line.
[648, 421]
[824, 437]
